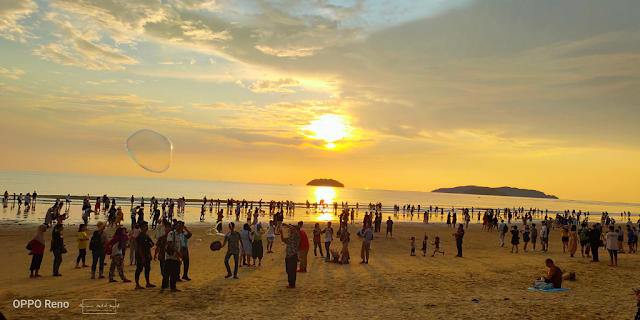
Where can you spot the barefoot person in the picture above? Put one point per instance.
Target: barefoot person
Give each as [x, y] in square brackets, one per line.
[291, 256]
[389, 227]
[118, 245]
[97, 245]
[143, 255]
[553, 279]
[37, 251]
[172, 256]
[83, 243]
[235, 242]
[367, 236]
[57, 247]
[459, 235]
[328, 237]
[436, 244]
[303, 251]
[612, 246]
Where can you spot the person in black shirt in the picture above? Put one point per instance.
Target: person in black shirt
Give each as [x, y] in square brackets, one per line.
[57, 247]
[594, 242]
[143, 255]
[459, 235]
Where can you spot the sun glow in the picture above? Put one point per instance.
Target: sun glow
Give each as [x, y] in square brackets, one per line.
[330, 128]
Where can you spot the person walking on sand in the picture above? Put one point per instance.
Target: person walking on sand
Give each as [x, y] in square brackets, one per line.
[573, 240]
[118, 244]
[271, 236]
[526, 236]
[143, 255]
[502, 228]
[367, 236]
[565, 238]
[544, 236]
[256, 246]
[304, 248]
[83, 243]
[424, 244]
[291, 255]
[57, 247]
[37, 251]
[534, 236]
[235, 242]
[459, 236]
[612, 246]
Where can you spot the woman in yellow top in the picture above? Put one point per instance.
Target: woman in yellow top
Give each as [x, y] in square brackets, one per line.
[565, 238]
[256, 247]
[83, 243]
[119, 217]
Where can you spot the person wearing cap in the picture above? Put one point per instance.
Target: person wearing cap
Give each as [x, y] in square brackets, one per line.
[291, 257]
[98, 252]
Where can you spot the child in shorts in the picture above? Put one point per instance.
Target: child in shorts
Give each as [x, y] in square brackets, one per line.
[437, 249]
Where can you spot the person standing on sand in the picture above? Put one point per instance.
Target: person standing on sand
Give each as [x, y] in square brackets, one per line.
[594, 242]
[583, 235]
[185, 253]
[367, 236]
[544, 236]
[612, 246]
[247, 239]
[235, 242]
[534, 236]
[173, 254]
[83, 243]
[316, 240]
[143, 256]
[328, 237]
[304, 248]
[256, 246]
[291, 256]
[99, 240]
[345, 239]
[57, 247]
[161, 245]
[502, 228]
[459, 236]
[389, 227]
[271, 236]
[515, 238]
[37, 251]
[573, 240]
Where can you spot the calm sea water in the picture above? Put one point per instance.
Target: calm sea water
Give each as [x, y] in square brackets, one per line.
[123, 187]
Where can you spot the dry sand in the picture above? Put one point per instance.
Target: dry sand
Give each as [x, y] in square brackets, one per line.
[393, 285]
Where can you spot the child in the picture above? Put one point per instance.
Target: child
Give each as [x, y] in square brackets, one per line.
[424, 245]
[437, 244]
[413, 246]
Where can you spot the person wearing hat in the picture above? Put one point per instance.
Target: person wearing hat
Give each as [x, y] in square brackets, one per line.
[291, 257]
[97, 249]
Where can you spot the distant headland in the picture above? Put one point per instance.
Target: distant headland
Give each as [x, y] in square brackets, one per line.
[325, 183]
[504, 191]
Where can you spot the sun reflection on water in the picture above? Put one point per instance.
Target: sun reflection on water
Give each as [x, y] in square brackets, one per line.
[326, 195]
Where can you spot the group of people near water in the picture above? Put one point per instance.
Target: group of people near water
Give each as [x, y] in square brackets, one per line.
[29, 200]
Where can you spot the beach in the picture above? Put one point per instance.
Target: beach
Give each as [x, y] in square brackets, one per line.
[392, 285]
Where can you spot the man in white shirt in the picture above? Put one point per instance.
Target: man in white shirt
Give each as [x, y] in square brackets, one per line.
[544, 236]
[501, 227]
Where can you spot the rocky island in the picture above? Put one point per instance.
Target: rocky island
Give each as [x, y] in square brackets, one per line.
[325, 183]
[503, 191]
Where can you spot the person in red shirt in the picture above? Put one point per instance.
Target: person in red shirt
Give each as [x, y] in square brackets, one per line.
[304, 249]
[37, 250]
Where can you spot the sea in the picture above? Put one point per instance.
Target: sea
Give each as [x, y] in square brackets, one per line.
[50, 186]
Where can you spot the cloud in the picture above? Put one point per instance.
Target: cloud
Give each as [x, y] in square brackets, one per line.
[78, 49]
[11, 74]
[93, 83]
[170, 63]
[217, 106]
[274, 85]
[113, 100]
[6, 87]
[11, 11]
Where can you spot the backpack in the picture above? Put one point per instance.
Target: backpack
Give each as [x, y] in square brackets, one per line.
[96, 242]
[505, 229]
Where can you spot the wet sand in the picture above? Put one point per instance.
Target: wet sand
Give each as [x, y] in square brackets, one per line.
[392, 285]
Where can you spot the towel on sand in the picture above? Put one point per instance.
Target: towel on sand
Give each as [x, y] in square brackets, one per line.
[549, 290]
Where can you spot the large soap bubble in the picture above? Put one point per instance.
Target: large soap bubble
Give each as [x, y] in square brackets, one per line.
[151, 150]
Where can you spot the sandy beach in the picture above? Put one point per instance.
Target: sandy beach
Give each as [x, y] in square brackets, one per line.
[392, 285]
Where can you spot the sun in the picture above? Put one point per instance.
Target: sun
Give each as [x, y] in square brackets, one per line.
[330, 128]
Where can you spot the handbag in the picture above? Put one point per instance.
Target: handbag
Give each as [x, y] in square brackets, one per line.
[29, 245]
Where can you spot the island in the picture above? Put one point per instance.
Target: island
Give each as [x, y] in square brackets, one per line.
[503, 191]
[325, 183]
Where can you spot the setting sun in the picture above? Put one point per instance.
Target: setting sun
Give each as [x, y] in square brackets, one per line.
[330, 128]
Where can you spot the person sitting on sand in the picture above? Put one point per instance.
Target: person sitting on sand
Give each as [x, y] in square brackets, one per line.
[553, 279]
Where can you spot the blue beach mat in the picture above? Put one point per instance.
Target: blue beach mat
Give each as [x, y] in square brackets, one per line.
[549, 290]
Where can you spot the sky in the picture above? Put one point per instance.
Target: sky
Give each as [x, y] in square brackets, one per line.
[381, 94]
